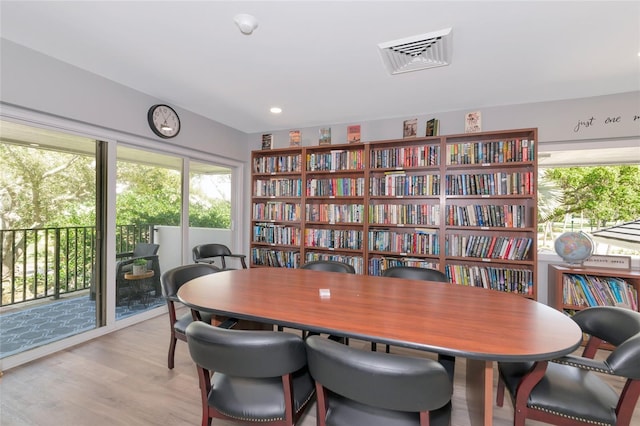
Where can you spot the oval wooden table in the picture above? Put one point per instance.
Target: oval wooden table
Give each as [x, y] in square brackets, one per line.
[478, 324]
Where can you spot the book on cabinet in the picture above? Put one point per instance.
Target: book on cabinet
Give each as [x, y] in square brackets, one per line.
[573, 289]
[464, 204]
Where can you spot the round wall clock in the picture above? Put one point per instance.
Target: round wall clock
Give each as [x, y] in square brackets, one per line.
[164, 121]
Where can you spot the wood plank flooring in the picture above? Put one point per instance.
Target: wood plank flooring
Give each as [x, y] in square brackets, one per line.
[122, 379]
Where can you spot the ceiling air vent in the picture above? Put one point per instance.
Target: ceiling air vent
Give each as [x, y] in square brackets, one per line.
[417, 52]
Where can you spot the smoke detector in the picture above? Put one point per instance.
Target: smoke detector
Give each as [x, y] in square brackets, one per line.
[246, 23]
[417, 52]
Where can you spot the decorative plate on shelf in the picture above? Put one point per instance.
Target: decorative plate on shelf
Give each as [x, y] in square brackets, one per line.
[574, 247]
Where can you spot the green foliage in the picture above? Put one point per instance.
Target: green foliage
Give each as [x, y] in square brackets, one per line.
[602, 193]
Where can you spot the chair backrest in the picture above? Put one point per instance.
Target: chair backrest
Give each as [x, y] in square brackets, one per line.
[173, 279]
[145, 249]
[377, 379]
[210, 250]
[329, 266]
[621, 328]
[245, 353]
[416, 273]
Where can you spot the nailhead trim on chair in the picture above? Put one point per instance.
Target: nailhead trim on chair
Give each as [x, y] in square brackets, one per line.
[591, 422]
[583, 366]
[268, 420]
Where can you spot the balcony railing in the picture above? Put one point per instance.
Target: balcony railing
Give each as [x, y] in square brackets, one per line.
[40, 263]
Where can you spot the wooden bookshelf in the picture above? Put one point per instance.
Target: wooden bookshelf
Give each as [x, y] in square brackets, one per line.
[607, 287]
[464, 204]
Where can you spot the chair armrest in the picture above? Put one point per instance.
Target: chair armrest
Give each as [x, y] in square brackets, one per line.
[242, 258]
[584, 363]
[124, 254]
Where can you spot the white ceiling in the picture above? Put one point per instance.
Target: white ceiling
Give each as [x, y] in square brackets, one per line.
[318, 60]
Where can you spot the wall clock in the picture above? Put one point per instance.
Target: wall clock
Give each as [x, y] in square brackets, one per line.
[164, 121]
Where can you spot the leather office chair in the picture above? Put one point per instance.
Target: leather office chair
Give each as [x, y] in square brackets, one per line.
[257, 376]
[146, 251]
[328, 266]
[209, 253]
[356, 387]
[568, 391]
[415, 273]
[171, 282]
[425, 274]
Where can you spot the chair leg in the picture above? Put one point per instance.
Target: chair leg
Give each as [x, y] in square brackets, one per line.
[500, 393]
[172, 352]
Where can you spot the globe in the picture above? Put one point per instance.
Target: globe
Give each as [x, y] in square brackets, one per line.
[574, 247]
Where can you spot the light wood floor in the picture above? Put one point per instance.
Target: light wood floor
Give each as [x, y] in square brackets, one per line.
[122, 379]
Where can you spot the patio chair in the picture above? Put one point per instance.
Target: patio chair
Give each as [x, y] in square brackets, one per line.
[124, 288]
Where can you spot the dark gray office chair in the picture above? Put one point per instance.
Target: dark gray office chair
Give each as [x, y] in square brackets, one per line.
[328, 266]
[250, 376]
[415, 273]
[356, 387]
[171, 282]
[209, 253]
[425, 274]
[568, 391]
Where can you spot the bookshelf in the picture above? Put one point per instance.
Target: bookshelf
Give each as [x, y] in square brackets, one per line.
[574, 289]
[464, 204]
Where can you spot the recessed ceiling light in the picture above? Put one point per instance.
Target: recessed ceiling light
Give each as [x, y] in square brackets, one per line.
[276, 110]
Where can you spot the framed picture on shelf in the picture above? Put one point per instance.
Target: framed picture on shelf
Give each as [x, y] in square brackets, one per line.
[353, 133]
[473, 122]
[410, 128]
[325, 136]
[267, 141]
[433, 127]
[294, 138]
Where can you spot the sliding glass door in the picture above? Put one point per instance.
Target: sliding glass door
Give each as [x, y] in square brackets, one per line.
[48, 234]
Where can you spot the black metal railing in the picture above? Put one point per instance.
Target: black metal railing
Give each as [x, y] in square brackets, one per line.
[39, 263]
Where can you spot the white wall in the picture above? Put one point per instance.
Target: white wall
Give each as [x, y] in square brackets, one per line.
[37, 82]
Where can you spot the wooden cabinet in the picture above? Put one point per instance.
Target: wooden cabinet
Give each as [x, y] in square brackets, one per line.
[573, 289]
[464, 204]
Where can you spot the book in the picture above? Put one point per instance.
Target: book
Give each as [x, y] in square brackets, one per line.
[267, 141]
[353, 133]
[294, 137]
[410, 128]
[473, 122]
[432, 127]
[325, 136]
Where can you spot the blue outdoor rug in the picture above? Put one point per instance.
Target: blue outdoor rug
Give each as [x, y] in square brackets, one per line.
[37, 326]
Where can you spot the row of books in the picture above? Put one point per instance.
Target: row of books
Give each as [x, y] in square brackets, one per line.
[336, 160]
[336, 187]
[399, 184]
[278, 164]
[356, 261]
[404, 214]
[504, 216]
[514, 150]
[333, 238]
[275, 258]
[277, 187]
[518, 183]
[416, 242]
[335, 213]
[488, 247]
[501, 279]
[411, 156]
[590, 290]
[269, 233]
[377, 265]
[276, 210]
